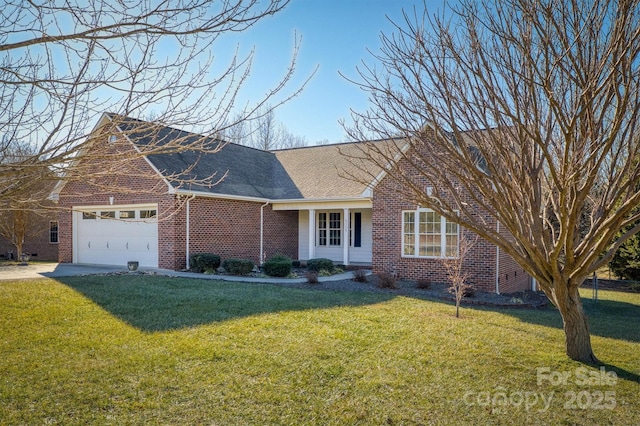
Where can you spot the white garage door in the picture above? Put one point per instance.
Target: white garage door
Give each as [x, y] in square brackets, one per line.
[114, 235]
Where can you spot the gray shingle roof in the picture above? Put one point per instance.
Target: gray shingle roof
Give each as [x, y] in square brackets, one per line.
[249, 172]
[315, 172]
[321, 171]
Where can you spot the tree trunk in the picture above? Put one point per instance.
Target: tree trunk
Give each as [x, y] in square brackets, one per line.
[576, 329]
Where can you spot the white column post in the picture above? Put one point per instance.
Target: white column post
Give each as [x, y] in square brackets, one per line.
[312, 233]
[345, 238]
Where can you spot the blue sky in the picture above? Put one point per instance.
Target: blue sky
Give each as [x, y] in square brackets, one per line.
[335, 37]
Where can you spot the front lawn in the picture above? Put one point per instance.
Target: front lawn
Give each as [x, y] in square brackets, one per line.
[157, 350]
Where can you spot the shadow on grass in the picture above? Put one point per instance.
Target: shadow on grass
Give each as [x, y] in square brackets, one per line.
[158, 303]
[607, 318]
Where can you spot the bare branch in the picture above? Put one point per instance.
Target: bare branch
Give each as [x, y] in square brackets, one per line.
[522, 112]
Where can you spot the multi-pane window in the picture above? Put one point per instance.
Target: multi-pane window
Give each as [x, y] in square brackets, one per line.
[432, 236]
[335, 229]
[322, 229]
[53, 232]
[147, 214]
[127, 214]
[329, 229]
[451, 243]
[409, 233]
[429, 234]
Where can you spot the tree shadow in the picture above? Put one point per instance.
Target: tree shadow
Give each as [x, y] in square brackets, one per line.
[621, 373]
[607, 318]
[158, 303]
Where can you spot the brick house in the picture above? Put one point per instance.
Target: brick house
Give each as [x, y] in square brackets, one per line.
[296, 202]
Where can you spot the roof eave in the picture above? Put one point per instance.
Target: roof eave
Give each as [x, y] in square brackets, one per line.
[204, 194]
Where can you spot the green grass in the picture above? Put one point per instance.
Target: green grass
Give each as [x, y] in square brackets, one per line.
[156, 350]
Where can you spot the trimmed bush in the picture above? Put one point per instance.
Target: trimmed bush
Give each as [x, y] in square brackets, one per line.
[312, 277]
[386, 280]
[360, 276]
[469, 291]
[238, 266]
[423, 284]
[278, 266]
[202, 262]
[316, 265]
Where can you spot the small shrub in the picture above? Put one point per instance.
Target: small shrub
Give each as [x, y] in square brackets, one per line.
[278, 266]
[312, 278]
[360, 276]
[315, 265]
[424, 284]
[238, 266]
[324, 273]
[634, 287]
[469, 291]
[204, 262]
[295, 263]
[386, 280]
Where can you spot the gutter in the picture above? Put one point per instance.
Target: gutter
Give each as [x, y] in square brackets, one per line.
[498, 261]
[187, 242]
[262, 231]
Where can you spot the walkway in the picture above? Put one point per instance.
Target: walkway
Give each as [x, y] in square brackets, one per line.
[53, 270]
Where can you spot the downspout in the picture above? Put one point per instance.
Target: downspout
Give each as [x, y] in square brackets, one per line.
[262, 231]
[498, 261]
[188, 209]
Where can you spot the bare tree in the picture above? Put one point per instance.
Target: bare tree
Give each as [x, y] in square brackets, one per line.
[63, 63]
[17, 225]
[558, 85]
[262, 131]
[24, 206]
[289, 140]
[267, 130]
[459, 284]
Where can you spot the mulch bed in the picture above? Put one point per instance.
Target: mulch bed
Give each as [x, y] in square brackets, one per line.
[436, 291]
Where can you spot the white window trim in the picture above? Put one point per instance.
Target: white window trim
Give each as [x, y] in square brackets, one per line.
[328, 228]
[51, 222]
[416, 239]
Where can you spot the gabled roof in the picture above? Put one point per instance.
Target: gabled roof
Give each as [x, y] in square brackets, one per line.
[320, 171]
[249, 172]
[315, 172]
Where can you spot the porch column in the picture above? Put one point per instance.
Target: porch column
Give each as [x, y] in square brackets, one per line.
[312, 233]
[345, 238]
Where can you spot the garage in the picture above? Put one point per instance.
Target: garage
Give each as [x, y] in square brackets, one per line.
[115, 235]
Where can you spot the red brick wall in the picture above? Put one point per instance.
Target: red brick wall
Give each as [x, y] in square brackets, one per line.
[512, 278]
[231, 229]
[172, 233]
[388, 204]
[387, 246]
[280, 233]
